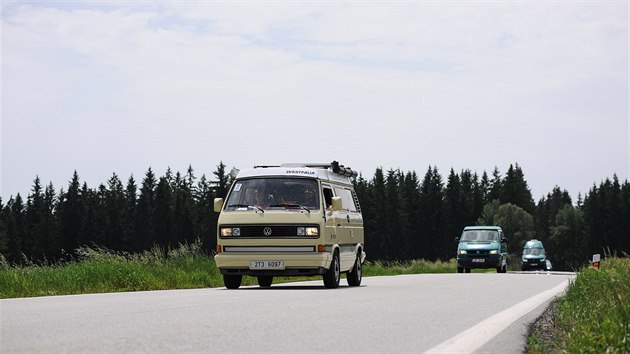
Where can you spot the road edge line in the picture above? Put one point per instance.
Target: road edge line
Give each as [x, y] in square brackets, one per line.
[477, 336]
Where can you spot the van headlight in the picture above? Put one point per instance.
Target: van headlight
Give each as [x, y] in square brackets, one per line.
[307, 231]
[230, 231]
[461, 252]
[494, 251]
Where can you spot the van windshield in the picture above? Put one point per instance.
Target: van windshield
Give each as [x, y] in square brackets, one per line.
[533, 251]
[480, 235]
[274, 193]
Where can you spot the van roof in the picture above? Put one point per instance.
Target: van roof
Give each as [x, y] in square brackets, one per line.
[322, 171]
[497, 228]
[533, 244]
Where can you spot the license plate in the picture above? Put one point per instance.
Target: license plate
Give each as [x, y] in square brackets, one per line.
[266, 265]
[478, 260]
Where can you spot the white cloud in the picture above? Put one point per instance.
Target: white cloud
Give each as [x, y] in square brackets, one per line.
[120, 87]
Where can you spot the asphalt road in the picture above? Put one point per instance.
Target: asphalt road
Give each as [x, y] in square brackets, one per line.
[486, 312]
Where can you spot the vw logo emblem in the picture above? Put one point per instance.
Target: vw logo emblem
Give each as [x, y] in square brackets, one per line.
[267, 231]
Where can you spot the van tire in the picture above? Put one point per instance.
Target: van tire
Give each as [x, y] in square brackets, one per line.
[232, 281]
[460, 269]
[332, 276]
[466, 270]
[264, 281]
[355, 274]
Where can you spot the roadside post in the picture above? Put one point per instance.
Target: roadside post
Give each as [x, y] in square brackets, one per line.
[596, 260]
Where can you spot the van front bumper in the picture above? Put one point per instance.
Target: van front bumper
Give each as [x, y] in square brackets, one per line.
[534, 264]
[479, 261]
[294, 264]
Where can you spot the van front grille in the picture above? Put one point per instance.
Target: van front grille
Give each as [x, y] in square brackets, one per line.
[270, 231]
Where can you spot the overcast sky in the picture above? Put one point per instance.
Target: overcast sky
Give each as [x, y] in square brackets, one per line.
[103, 87]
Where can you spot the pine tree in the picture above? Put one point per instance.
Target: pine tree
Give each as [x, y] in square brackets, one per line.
[70, 217]
[495, 187]
[92, 231]
[131, 202]
[477, 201]
[16, 228]
[183, 207]
[376, 230]
[453, 205]
[396, 216]
[164, 220]
[484, 188]
[514, 190]
[145, 216]
[39, 241]
[434, 240]
[206, 220]
[116, 218]
[410, 188]
[624, 237]
[222, 182]
[4, 235]
[34, 221]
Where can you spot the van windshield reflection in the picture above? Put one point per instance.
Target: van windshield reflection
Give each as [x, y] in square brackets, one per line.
[274, 193]
[483, 235]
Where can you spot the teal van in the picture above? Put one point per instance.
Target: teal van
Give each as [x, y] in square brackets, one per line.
[482, 247]
[534, 257]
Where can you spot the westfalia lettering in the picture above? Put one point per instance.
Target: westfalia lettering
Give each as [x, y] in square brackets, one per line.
[302, 172]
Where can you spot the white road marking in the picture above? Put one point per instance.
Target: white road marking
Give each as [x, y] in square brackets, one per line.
[477, 336]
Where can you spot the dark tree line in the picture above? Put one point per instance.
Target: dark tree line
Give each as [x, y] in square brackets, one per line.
[131, 217]
[406, 216]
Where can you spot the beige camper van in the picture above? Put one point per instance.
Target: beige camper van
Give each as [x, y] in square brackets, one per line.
[290, 220]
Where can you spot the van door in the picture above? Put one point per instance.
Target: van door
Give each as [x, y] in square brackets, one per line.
[349, 226]
[330, 233]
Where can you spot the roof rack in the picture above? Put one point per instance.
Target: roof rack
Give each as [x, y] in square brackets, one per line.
[334, 166]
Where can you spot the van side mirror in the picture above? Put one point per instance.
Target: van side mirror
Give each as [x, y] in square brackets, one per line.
[503, 239]
[336, 204]
[457, 239]
[218, 204]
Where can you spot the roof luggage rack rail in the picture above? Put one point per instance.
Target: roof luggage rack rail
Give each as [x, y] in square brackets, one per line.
[334, 166]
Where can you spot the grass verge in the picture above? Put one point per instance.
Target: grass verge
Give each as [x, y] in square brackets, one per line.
[99, 270]
[593, 317]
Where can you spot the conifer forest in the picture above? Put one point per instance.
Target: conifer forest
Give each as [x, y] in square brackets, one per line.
[406, 215]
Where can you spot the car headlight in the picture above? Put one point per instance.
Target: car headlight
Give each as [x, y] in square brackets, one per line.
[307, 231]
[230, 231]
[461, 252]
[494, 251]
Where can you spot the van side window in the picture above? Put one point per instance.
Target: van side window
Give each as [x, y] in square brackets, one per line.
[347, 199]
[328, 194]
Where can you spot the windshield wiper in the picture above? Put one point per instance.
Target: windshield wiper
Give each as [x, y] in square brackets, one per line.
[245, 206]
[285, 205]
[238, 205]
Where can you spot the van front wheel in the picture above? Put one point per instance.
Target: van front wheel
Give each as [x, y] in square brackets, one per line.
[265, 281]
[232, 281]
[332, 276]
[354, 276]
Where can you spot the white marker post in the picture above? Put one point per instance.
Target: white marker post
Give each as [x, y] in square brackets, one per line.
[596, 260]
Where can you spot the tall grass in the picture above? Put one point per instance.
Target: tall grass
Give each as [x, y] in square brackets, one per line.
[594, 316]
[101, 270]
[420, 266]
